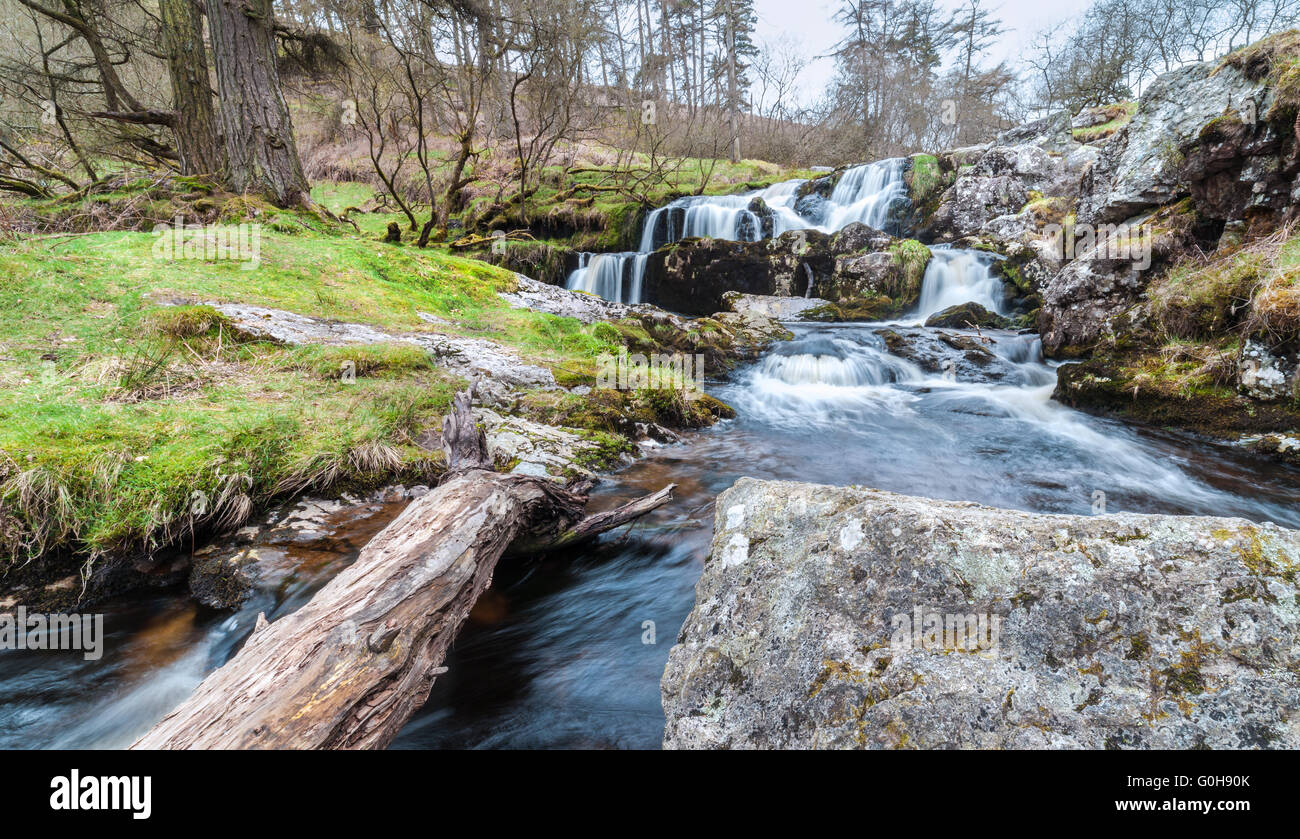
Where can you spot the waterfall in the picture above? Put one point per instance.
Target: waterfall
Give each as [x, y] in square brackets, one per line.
[614, 276]
[836, 362]
[868, 193]
[723, 217]
[955, 276]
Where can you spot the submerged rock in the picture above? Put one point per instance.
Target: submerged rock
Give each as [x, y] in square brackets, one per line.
[813, 627]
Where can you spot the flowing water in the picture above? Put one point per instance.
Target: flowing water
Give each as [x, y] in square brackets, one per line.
[869, 193]
[559, 652]
[954, 276]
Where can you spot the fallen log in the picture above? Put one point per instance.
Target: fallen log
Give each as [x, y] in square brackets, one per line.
[350, 667]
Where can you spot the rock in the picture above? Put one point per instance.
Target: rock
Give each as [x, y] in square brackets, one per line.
[750, 333]
[531, 448]
[1111, 631]
[543, 297]
[1262, 375]
[856, 237]
[222, 580]
[967, 316]
[760, 224]
[779, 308]
[973, 200]
[858, 263]
[692, 275]
[1051, 133]
[995, 181]
[1186, 137]
[1105, 278]
[1015, 227]
[959, 357]
[501, 373]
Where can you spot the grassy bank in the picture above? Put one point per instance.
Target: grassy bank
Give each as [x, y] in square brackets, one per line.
[126, 423]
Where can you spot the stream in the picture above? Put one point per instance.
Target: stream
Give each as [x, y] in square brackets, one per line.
[558, 653]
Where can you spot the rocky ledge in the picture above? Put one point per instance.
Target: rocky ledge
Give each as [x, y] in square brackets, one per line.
[813, 620]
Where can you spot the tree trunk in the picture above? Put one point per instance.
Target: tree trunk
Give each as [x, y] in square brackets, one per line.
[350, 667]
[260, 150]
[195, 124]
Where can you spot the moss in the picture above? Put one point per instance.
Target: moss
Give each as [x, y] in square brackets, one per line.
[911, 257]
[608, 451]
[924, 178]
[1116, 117]
[1274, 60]
[877, 307]
[1048, 209]
[1186, 676]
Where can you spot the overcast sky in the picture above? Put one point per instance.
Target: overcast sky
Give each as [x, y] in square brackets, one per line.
[809, 22]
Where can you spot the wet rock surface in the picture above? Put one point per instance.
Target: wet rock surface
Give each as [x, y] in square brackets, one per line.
[963, 356]
[856, 263]
[1112, 631]
[966, 316]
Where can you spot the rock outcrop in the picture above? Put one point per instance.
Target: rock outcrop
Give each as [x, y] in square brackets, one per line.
[966, 316]
[501, 371]
[992, 184]
[853, 265]
[814, 627]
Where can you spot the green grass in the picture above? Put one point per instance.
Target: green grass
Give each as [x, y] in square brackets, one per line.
[115, 408]
[1122, 112]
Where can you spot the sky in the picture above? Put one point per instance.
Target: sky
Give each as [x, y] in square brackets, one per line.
[809, 23]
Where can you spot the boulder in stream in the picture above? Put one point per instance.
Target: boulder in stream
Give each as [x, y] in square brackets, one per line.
[967, 316]
[814, 627]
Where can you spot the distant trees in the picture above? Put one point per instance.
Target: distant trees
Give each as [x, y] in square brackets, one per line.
[892, 94]
[1117, 46]
[445, 94]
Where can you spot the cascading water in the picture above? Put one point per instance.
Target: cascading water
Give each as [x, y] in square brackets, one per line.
[870, 194]
[955, 276]
[614, 276]
[867, 194]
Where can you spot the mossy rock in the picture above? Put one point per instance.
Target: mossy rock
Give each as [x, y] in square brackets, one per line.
[967, 316]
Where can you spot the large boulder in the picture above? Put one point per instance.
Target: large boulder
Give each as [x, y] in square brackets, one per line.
[813, 620]
[1039, 160]
[693, 276]
[1165, 149]
[778, 308]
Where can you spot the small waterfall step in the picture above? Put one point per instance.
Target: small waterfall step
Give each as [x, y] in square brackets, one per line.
[870, 193]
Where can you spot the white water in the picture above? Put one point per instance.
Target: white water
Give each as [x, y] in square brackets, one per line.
[1010, 443]
[614, 276]
[956, 276]
[866, 193]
